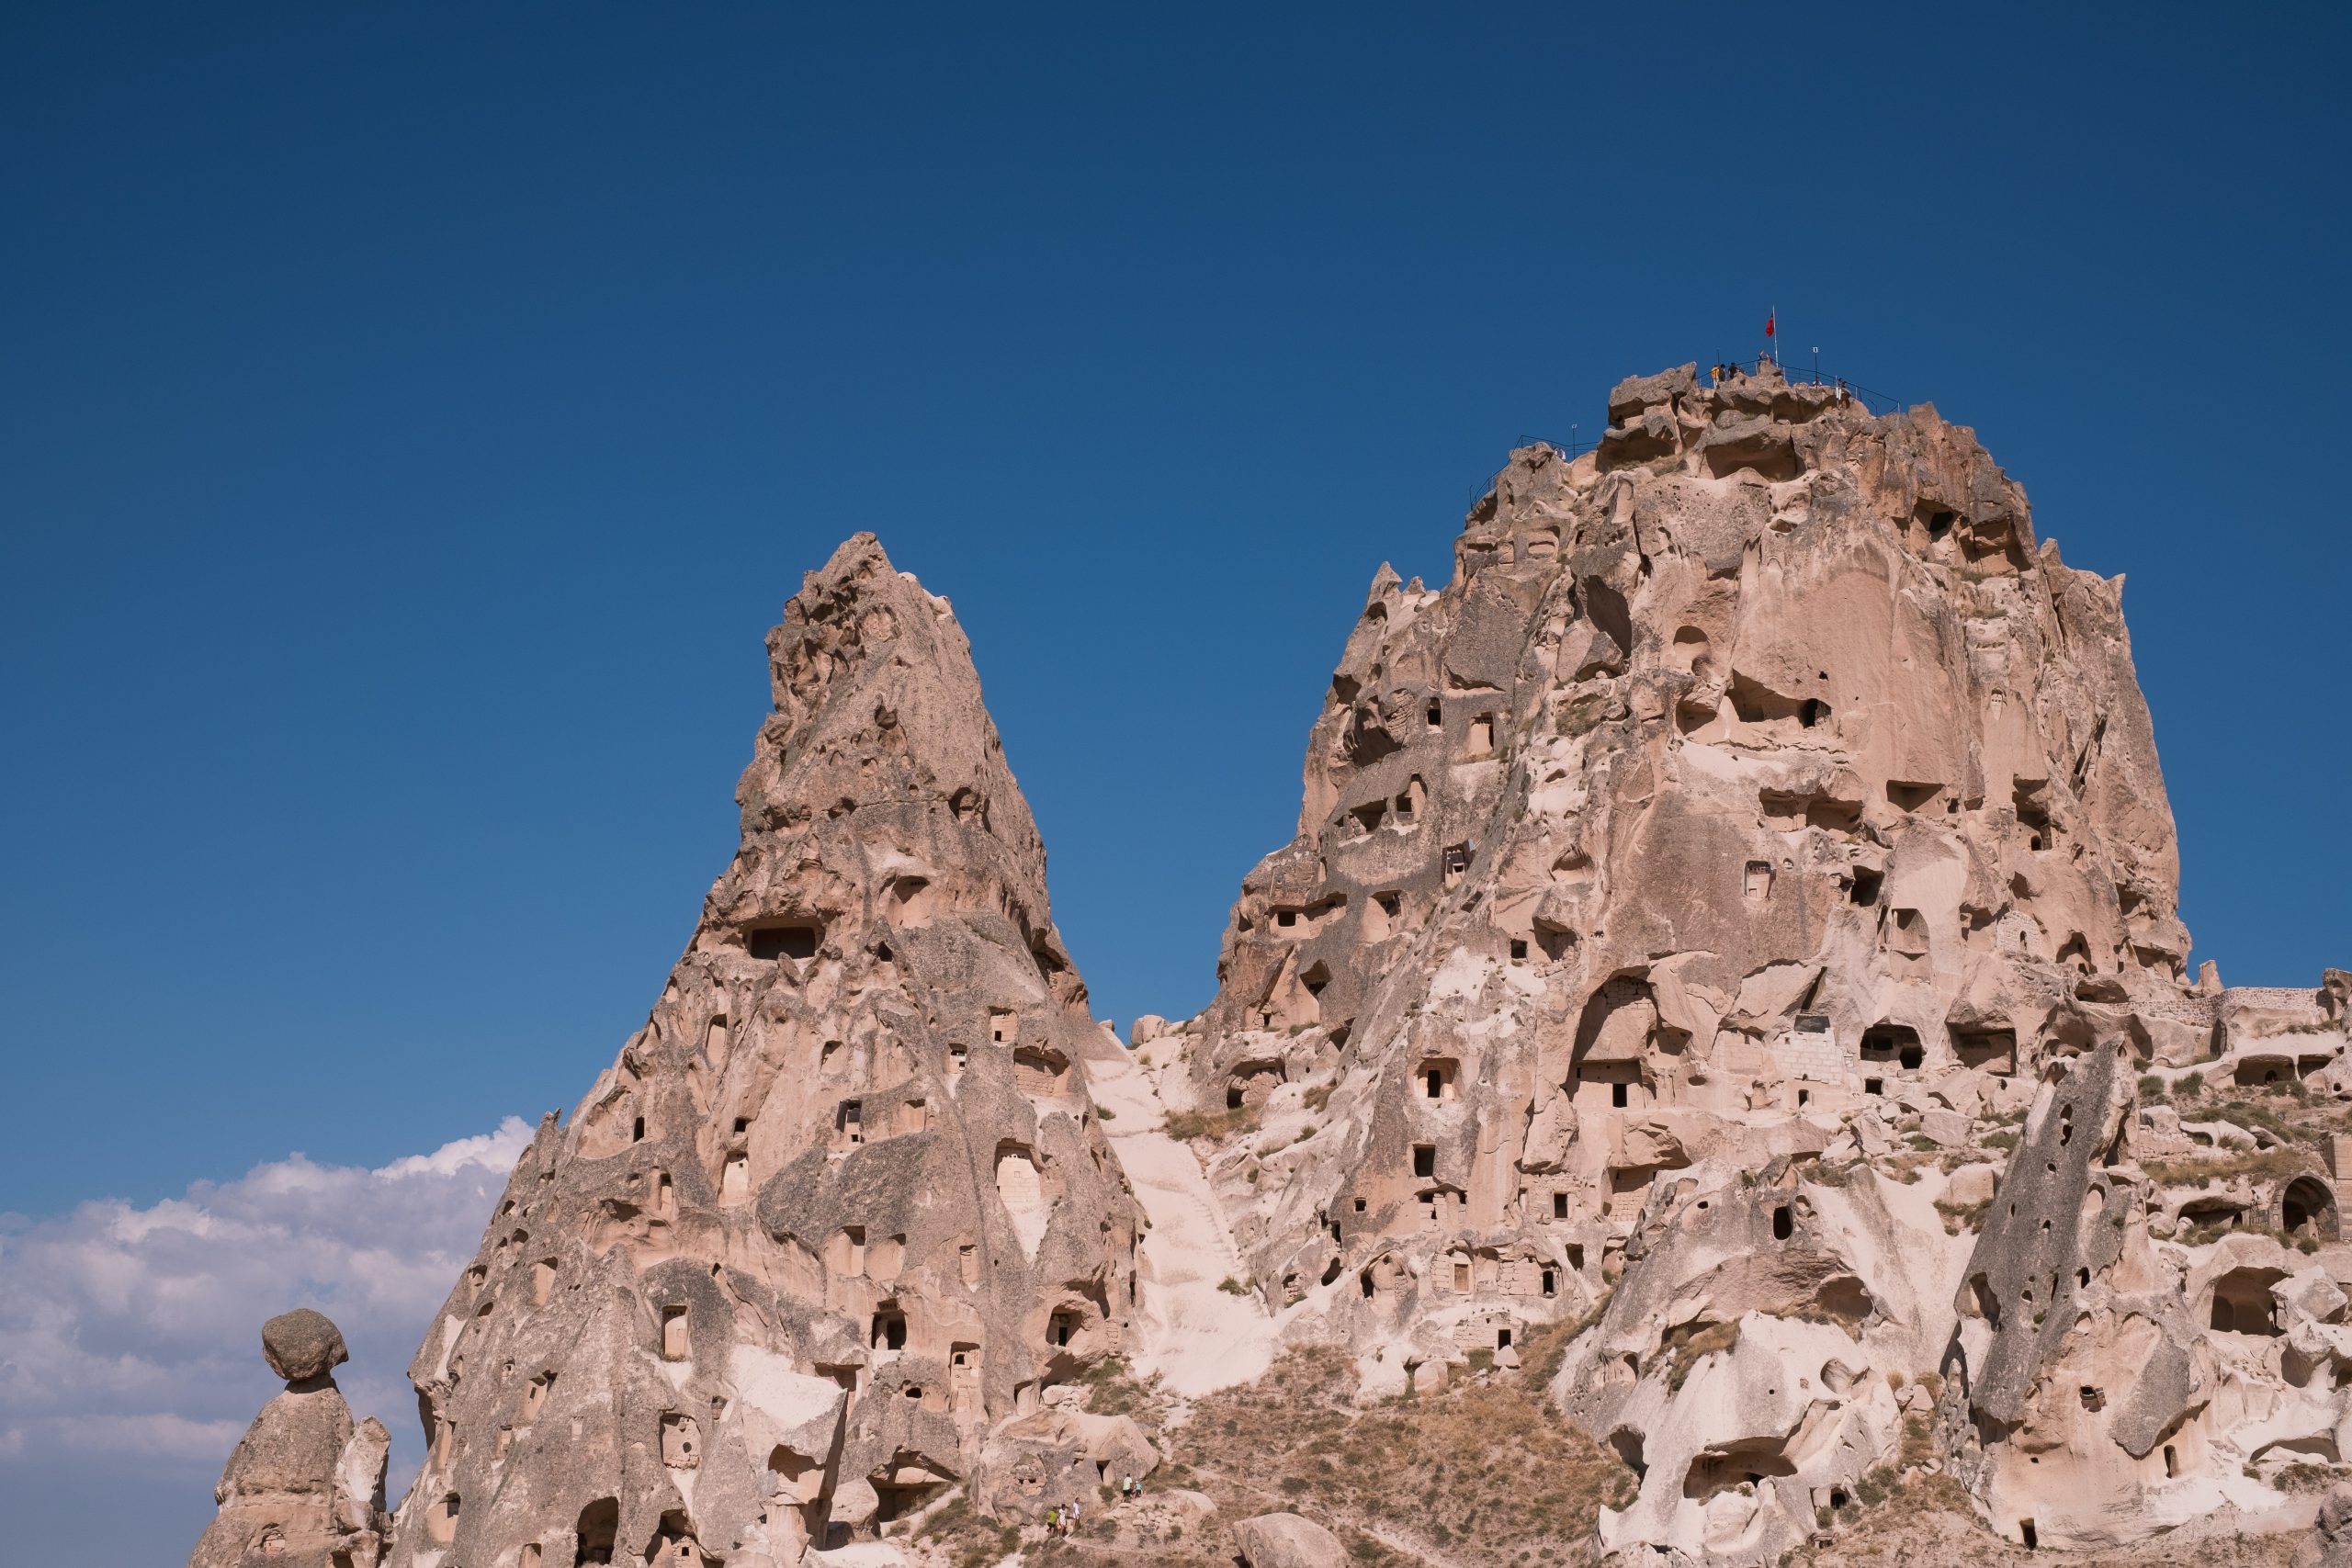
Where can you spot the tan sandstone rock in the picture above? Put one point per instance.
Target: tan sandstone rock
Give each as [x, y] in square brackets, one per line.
[1759, 810]
[1736, 914]
[1286, 1540]
[843, 1204]
[305, 1488]
[302, 1345]
[2330, 1543]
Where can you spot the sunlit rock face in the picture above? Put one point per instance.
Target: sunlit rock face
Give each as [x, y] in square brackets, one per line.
[1729, 946]
[1682, 896]
[843, 1203]
[2121, 1370]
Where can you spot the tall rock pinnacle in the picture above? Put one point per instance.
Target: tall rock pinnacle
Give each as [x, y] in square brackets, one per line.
[843, 1203]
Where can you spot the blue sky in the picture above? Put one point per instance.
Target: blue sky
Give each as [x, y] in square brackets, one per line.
[410, 424]
[411, 420]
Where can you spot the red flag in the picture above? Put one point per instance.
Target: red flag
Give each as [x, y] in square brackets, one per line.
[1768, 324]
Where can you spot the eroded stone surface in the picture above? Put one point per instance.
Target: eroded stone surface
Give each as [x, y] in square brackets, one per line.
[1734, 914]
[1687, 900]
[305, 1487]
[302, 1345]
[843, 1204]
[1287, 1540]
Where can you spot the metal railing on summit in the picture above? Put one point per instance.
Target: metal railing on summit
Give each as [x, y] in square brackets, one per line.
[1876, 401]
[1571, 447]
[1872, 400]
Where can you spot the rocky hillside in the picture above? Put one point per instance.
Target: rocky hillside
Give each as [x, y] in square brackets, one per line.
[1712, 1081]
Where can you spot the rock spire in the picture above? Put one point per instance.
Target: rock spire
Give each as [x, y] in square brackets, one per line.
[305, 1488]
[843, 1203]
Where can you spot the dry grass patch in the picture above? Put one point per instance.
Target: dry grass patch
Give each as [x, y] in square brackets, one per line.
[2288, 1112]
[1214, 1125]
[1483, 1474]
[1688, 1344]
[2264, 1164]
[960, 1538]
[1962, 1217]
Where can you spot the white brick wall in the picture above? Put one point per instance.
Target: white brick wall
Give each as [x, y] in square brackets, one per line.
[1819, 1057]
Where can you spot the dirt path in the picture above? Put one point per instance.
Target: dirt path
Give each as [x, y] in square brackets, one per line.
[1197, 1338]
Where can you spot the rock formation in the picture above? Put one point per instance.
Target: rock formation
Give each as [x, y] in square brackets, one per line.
[1730, 940]
[2330, 1545]
[1286, 1540]
[843, 1204]
[1685, 899]
[2108, 1384]
[305, 1488]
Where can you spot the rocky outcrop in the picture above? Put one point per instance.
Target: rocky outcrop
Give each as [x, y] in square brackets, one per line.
[305, 1487]
[1286, 1540]
[2330, 1545]
[1730, 938]
[1037, 1462]
[1687, 898]
[843, 1204]
[2106, 1384]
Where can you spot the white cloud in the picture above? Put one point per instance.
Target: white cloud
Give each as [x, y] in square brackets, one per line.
[163, 1435]
[132, 1335]
[497, 1149]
